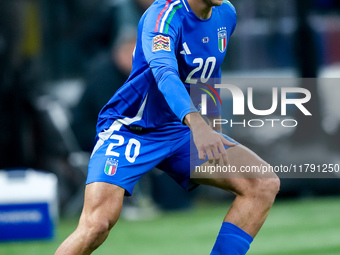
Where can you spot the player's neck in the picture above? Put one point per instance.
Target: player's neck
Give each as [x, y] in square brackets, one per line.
[201, 8]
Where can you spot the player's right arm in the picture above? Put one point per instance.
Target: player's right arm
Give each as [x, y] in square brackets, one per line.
[159, 41]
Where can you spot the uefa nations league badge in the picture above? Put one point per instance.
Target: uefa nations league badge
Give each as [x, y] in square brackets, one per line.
[111, 166]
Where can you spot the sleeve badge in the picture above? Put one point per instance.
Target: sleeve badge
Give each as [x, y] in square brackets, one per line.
[161, 42]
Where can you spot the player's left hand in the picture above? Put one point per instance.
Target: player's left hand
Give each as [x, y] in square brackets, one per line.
[208, 142]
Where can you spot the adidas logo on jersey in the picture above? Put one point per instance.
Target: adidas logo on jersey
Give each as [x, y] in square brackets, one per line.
[186, 50]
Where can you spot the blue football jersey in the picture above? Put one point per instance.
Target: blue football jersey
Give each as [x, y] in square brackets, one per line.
[175, 51]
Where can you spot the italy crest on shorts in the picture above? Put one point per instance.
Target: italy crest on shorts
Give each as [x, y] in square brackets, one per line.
[222, 40]
[111, 166]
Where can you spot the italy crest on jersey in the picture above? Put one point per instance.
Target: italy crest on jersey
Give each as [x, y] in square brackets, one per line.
[111, 166]
[222, 40]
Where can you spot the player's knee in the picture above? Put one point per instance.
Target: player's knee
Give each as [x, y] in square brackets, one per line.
[96, 230]
[100, 227]
[275, 185]
[265, 189]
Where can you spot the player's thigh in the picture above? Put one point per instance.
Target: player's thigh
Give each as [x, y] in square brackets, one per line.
[102, 205]
[243, 171]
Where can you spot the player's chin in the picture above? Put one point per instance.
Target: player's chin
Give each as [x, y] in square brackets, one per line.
[216, 2]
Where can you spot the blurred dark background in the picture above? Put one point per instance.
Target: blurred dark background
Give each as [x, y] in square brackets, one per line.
[61, 60]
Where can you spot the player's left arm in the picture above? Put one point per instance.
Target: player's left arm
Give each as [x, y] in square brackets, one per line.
[216, 126]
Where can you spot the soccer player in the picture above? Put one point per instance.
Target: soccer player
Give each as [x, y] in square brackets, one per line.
[151, 120]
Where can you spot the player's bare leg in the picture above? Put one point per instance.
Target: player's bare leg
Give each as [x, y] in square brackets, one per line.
[102, 206]
[255, 192]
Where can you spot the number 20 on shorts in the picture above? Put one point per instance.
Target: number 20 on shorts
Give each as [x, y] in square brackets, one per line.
[119, 142]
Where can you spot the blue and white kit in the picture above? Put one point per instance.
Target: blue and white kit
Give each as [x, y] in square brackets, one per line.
[141, 126]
